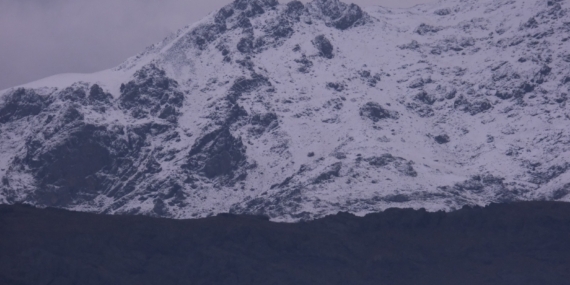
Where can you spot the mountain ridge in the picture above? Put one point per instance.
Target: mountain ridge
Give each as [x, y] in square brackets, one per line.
[299, 110]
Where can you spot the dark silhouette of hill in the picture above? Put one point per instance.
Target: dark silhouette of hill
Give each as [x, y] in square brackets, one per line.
[519, 243]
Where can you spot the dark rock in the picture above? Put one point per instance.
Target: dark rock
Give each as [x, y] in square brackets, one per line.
[75, 94]
[330, 172]
[423, 110]
[530, 24]
[382, 160]
[472, 108]
[283, 29]
[375, 112]
[367, 77]
[246, 85]
[515, 91]
[168, 113]
[305, 63]
[442, 139]
[480, 183]
[262, 123]
[442, 12]
[479, 107]
[311, 154]
[149, 92]
[339, 87]
[400, 164]
[96, 94]
[324, 46]
[224, 14]
[71, 115]
[416, 83]
[217, 153]
[425, 98]
[349, 18]
[425, 29]
[295, 9]
[335, 104]
[21, 103]
[264, 120]
[451, 94]
[561, 193]
[406, 168]
[203, 35]
[244, 23]
[340, 15]
[398, 198]
[68, 170]
[552, 172]
[245, 45]
[252, 8]
[159, 208]
[364, 73]
[414, 45]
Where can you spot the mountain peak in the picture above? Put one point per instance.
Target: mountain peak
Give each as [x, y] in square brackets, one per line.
[296, 111]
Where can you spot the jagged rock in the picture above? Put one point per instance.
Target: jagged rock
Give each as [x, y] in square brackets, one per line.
[442, 139]
[442, 12]
[330, 172]
[217, 153]
[21, 103]
[350, 16]
[295, 9]
[416, 83]
[96, 94]
[400, 164]
[425, 98]
[67, 173]
[252, 8]
[472, 108]
[150, 92]
[324, 46]
[339, 87]
[425, 29]
[339, 15]
[305, 63]
[375, 112]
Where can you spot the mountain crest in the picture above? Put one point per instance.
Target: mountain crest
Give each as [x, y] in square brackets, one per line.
[297, 111]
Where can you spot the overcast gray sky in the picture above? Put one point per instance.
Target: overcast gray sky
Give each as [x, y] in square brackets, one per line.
[39, 38]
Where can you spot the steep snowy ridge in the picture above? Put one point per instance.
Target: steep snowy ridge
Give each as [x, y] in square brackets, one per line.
[302, 110]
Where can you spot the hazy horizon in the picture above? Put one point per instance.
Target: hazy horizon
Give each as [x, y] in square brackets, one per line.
[40, 38]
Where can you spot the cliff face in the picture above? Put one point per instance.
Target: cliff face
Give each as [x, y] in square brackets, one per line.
[299, 110]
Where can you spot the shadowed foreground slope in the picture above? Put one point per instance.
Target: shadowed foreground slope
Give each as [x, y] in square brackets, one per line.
[521, 243]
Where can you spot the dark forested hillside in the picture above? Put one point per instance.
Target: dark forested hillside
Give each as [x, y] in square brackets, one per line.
[520, 243]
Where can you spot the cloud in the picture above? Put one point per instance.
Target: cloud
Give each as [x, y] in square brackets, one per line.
[39, 38]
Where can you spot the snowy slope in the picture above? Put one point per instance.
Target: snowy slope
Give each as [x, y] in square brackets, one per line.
[297, 111]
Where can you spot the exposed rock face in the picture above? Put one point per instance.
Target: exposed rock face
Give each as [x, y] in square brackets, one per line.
[21, 103]
[324, 46]
[375, 112]
[298, 110]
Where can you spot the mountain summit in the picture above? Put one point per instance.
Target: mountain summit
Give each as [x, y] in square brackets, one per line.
[297, 111]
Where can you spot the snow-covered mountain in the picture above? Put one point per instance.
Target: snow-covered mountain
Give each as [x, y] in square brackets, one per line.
[301, 110]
